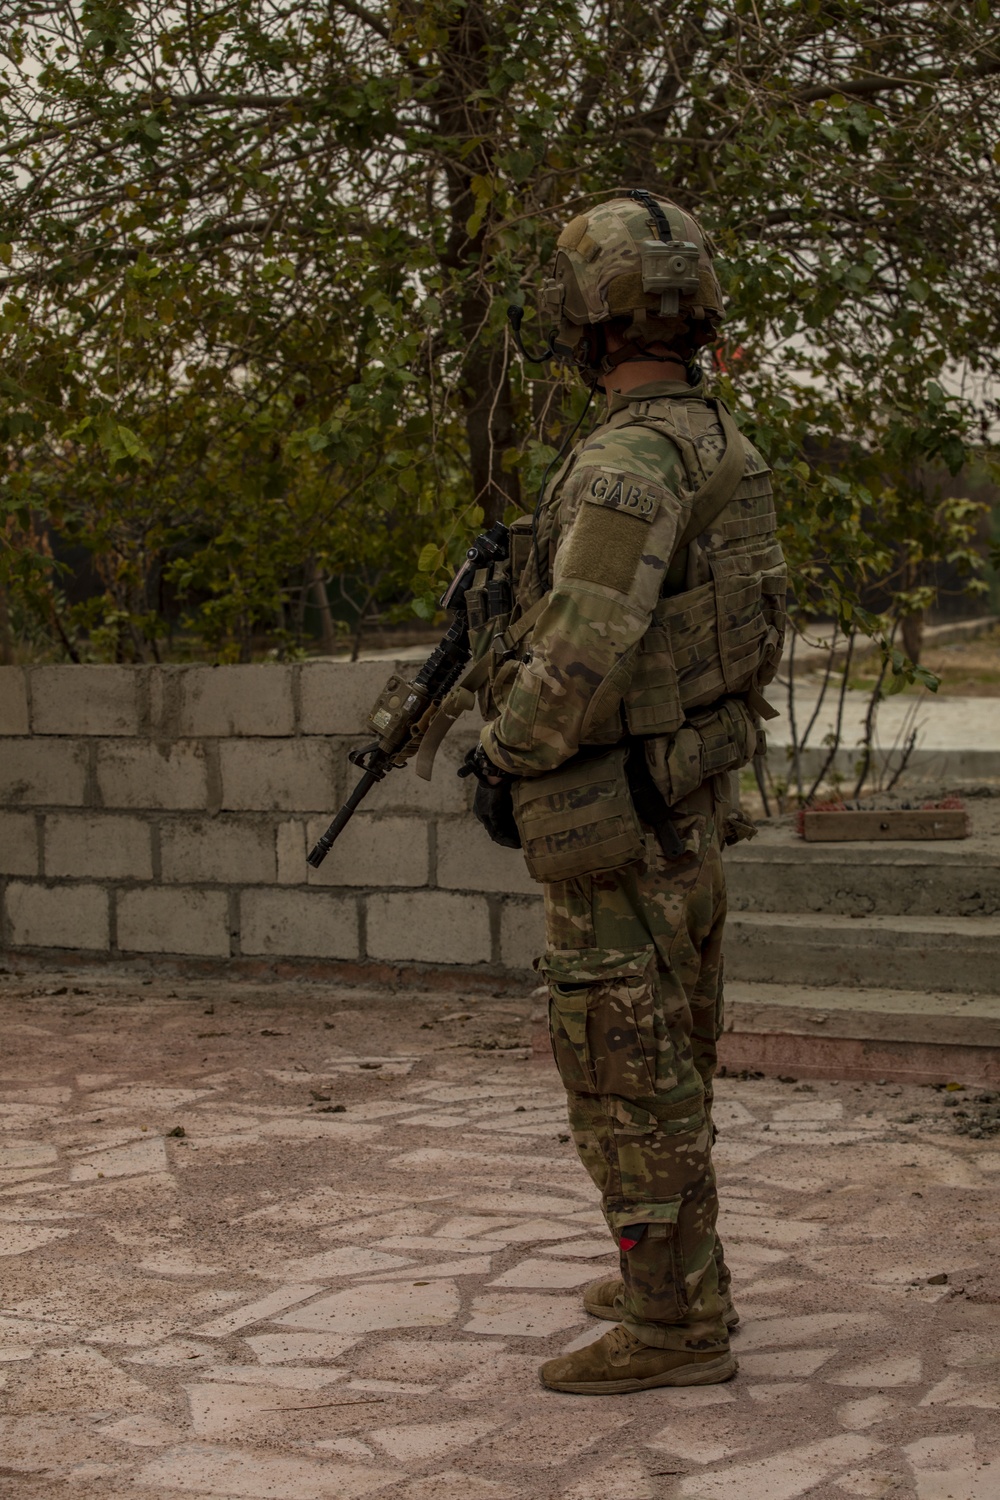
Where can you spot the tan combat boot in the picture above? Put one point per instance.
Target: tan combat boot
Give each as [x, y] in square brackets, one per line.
[618, 1362]
[599, 1301]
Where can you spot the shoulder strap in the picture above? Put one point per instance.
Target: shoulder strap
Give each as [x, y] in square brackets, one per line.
[720, 486]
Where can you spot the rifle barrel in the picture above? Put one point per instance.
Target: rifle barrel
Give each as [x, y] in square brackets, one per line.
[325, 842]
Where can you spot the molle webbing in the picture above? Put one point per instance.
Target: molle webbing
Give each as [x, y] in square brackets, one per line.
[718, 628]
[719, 639]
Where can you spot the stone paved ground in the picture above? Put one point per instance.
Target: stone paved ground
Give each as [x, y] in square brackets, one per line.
[290, 1300]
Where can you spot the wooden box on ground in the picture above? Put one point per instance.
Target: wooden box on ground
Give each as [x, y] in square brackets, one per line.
[894, 823]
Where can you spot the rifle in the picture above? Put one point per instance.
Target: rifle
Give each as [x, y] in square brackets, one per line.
[404, 710]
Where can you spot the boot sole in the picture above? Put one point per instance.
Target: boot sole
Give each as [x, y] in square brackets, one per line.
[714, 1373]
[600, 1310]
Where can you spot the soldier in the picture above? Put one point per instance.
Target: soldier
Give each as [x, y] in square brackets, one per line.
[644, 613]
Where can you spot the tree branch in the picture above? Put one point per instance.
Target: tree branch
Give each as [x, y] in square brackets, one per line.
[211, 97]
[864, 88]
[362, 13]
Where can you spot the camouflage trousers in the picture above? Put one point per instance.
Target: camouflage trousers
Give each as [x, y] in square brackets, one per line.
[634, 969]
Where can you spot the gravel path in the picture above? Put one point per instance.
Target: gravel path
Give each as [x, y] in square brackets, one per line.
[301, 1242]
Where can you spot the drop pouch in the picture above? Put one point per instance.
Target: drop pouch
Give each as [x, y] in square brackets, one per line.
[580, 819]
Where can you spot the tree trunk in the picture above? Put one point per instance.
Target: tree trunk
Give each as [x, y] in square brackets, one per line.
[490, 426]
[486, 391]
[913, 635]
[327, 634]
[6, 636]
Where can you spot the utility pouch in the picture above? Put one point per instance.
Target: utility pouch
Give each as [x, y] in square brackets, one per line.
[709, 744]
[578, 820]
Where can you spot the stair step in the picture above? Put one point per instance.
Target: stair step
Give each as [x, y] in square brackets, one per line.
[834, 1031]
[887, 887]
[868, 1014]
[779, 872]
[919, 953]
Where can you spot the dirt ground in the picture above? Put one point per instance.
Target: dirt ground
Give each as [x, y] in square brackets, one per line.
[300, 1242]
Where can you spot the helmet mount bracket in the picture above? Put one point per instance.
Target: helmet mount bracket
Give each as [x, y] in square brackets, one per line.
[669, 264]
[671, 269]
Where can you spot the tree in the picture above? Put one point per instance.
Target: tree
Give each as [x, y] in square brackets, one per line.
[258, 256]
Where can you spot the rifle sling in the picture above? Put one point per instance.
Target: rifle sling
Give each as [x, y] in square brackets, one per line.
[459, 701]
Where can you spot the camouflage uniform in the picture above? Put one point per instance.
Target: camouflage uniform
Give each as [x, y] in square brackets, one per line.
[633, 962]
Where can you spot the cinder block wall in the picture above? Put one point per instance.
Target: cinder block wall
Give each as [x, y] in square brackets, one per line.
[168, 810]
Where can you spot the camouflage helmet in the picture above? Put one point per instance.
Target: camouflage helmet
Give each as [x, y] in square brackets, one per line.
[635, 257]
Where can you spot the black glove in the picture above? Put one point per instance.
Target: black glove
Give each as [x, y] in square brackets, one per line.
[492, 805]
[478, 764]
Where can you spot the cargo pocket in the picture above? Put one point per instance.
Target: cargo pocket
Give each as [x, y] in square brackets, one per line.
[601, 1019]
[652, 1260]
[516, 694]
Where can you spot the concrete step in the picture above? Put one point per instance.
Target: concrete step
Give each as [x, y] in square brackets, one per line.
[779, 872]
[877, 879]
[831, 1031]
[916, 953]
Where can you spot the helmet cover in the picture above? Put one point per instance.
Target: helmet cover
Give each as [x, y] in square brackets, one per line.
[623, 260]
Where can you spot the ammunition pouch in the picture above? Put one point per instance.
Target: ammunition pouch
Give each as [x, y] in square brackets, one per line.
[710, 743]
[580, 819]
[588, 816]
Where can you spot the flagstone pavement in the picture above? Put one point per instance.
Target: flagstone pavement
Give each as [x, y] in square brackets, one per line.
[215, 1281]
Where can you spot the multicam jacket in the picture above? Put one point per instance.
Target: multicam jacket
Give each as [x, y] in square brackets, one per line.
[613, 633]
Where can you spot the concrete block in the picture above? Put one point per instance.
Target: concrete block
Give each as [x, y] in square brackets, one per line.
[85, 700]
[152, 774]
[232, 852]
[13, 701]
[337, 695]
[290, 848]
[97, 846]
[522, 933]
[374, 851]
[284, 775]
[157, 920]
[34, 772]
[188, 702]
[306, 924]
[57, 916]
[429, 927]
[468, 860]
[18, 844]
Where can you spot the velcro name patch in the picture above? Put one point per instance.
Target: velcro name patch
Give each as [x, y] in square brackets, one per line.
[622, 492]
